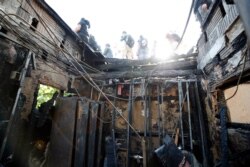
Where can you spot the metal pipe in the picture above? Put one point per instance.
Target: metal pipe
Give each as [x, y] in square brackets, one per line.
[180, 110]
[145, 143]
[201, 125]
[189, 117]
[163, 114]
[130, 112]
[13, 112]
[149, 120]
[145, 111]
[159, 114]
[113, 128]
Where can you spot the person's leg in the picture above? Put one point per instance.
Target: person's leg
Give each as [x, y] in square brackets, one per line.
[130, 54]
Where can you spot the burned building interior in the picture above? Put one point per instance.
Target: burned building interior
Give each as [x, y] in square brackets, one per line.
[117, 112]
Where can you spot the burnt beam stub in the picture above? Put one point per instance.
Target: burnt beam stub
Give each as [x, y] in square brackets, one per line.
[3, 30]
[45, 55]
[62, 44]
[144, 74]
[176, 62]
[34, 24]
[230, 2]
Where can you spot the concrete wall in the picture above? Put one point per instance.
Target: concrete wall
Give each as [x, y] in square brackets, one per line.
[239, 105]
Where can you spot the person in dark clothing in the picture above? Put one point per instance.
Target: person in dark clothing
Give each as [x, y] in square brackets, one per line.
[110, 155]
[82, 30]
[172, 37]
[168, 155]
[108, 52]
[142, 52]
[93, 43]
[129, 44]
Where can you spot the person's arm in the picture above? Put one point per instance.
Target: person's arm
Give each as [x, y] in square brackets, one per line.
[78, 28]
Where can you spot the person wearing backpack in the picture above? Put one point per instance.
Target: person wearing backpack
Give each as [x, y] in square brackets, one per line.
[129, 44]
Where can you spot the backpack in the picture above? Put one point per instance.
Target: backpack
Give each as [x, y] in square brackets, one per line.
[130, 42]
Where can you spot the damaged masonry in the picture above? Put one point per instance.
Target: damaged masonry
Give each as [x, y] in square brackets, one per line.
[191, 110]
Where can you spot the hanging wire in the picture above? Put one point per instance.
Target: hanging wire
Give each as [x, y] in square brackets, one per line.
[238, 82]
[87, 78]
[44, 37]
[187, 22]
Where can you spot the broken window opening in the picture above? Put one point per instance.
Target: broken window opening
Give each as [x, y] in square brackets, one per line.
[62, 44]
[45, 93]
[45, 55]
[34, 24]
[3, 30]
[41, 121]
[223, 11]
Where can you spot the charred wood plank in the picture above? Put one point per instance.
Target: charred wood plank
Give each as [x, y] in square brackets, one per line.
[100, 136]
[92, 145]
[146, 61]
[231, 79]
[236, 125]
[81, 133]
[145, 74]
[139, 64]
[62, 133]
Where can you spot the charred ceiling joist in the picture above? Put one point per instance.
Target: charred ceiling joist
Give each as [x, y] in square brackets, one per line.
[119, 111]
[79, 128]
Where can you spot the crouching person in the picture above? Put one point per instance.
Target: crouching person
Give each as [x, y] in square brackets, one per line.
[168, 155]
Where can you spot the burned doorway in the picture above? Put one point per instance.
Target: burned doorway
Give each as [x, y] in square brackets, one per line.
[40, 123]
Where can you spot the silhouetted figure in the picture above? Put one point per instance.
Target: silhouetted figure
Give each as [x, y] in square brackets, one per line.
[168, 155]
[142, 52]
[82, 30]
[93, 43]
[129, 44]
[172, 37]
[108, 52]
[43, 113]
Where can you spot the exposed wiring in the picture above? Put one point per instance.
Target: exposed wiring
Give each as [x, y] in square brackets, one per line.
[238, 82]
[187, 22]
[49, 31]
[37, 46]
[44, 37]
[88, 79]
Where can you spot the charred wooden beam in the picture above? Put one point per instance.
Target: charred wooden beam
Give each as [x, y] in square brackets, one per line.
[180, 91]
[139, 98]
[92, 135]
[232, 78]
[130, 111]
[139, 64]
[145, 74]
[202, 126]
[81, 134]
[147, 61]
[100, 136]
[236, 125]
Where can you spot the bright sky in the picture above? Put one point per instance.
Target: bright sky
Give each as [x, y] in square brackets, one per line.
[151, 18]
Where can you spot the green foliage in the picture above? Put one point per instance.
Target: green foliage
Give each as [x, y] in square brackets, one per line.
[44, 94]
